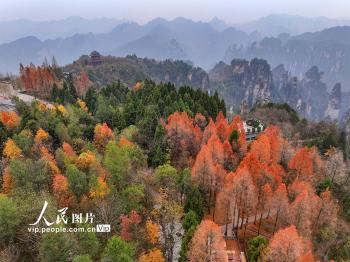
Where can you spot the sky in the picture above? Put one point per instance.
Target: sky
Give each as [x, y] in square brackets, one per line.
[233, 11]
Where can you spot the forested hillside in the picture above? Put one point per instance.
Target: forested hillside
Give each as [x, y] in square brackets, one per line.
[131, 68]
[172, 174]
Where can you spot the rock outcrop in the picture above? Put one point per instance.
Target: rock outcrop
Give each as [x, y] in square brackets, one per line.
[334, 104]
[242, 80]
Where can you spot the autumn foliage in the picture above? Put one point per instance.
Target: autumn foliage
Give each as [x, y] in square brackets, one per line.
[6, 181]
[152, 230]
[154, 255]
[207, 244]
[37, 79]
[102, 134]
[127, 221]
[244, 184]
[41, 135]
[287, 245]
[184, 138]
[82, 83]
[210, 180]
[9, 119]
[11, 150]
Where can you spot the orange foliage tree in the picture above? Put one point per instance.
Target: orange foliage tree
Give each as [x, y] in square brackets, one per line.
[7, 181]
[101, 189]
[184, 138]
[154, 255]
[9, 119]
[303, 208]
[37, 80]
[125, 142]
[244, 197]
[207, 243]
[102, 134]
[287, 246]
[204, 173]
[68, 150]
[280, 204]
[152, 230]
[305, 163]
[11, 150]
[60, 187]
[41, 136]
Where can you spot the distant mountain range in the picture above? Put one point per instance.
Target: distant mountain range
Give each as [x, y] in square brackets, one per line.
[275, 24]
[179, 39]
[15, 29]
[328, 49]
[202, 43]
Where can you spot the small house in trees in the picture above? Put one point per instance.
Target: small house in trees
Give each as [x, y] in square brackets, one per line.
[95, 58]
[252, 128]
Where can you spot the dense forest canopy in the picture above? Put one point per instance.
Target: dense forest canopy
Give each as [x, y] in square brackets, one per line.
[172, 174]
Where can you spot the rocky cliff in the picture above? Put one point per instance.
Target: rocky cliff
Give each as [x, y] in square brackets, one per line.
[334, 106]
[250, 83]
[329, 50]
[243, 81]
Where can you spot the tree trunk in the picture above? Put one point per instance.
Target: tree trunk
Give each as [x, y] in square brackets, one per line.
[256, 211]
[242, 219]
[261, 215]
[226, 218]
[234, 216]
[274, 227]
[237, 220]
[214, 204]
[318, 217]
[334, 173]
[268, 213]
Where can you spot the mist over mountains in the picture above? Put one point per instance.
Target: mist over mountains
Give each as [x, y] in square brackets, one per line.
[328, 49]
[178, 39]
[275, 24]
[15, 29]
[296, 42]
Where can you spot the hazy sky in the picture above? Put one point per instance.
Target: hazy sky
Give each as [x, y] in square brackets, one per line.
[145, 10]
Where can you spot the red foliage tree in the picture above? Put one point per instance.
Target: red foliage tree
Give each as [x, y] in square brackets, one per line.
[82, 83]
[9, 119]
[200, 121]
[221, 127]
[203, 172]
[102, 134]
[327, 210]
[38, 80]
[303, 208]
[287, 246]
[305, 163]
[68, 150]
[244, 197]
[126, 222]
[209, 131]
[216, 149]
[184, 138]
[207, 244]
[280, 205]
[61, 191]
